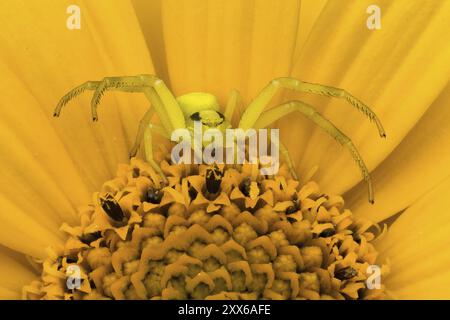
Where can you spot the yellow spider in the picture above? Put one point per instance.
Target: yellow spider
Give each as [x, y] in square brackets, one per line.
[176, 113]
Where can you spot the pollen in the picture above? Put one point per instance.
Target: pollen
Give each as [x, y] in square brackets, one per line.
[212, 232]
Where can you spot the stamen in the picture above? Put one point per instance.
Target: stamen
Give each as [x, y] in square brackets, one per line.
[327, 233]
[293, 209]
[192, 192]
[112, 207]
[239, 239]
[250, 188]
[90, 237]
[345, 273]
[213, 180]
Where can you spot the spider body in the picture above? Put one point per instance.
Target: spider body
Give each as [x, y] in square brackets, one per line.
[182, 112]
[203, 107]
[196, 102]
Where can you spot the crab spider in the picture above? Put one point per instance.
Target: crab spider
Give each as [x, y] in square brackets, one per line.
[175, 113]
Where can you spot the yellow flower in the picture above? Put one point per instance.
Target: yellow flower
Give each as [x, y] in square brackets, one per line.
[51, 167]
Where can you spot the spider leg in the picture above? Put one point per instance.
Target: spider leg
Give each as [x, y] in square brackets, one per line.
[162, 100]
[257, 106]
[171, 106]
[160, 109]
[287, 158]
[233, 100]
[127, 84]
[155, 90]
[148, 144]
[282, 110]
[145, 121]
[88, 85]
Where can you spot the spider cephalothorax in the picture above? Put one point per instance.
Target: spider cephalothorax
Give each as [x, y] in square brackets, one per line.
[182, 112]
[202, 107]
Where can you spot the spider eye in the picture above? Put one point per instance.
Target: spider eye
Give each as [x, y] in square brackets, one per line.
[221, 115]
[196, 116]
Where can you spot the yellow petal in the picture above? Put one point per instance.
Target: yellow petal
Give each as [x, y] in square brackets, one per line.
[417, 246]
[398, 71]
[25, 232]
[216, 46]
[419, 163]
[309, 13]
[149, 14]
[51, 166]
[14, 273]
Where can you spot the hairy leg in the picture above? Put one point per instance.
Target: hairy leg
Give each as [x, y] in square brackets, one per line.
[257, 106]
[282, 110]
[88, 85]
[155, 90]
[162, 100]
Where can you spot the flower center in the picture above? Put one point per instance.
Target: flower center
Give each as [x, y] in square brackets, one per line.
[211, 233]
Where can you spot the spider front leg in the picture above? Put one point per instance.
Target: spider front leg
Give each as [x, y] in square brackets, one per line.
[154, 89]
[282, 110]
[162, 100]
[88, 85]
[257, 106]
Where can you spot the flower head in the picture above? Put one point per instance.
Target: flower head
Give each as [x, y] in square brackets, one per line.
[50, 168]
